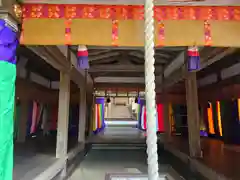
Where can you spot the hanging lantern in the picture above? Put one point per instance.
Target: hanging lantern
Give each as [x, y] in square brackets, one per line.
[136, 99]
[82, 55]
[193, 58]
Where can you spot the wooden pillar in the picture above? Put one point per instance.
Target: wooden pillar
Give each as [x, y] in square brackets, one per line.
[193, 115]
[22, 130]
[82, 115]
[63, 115]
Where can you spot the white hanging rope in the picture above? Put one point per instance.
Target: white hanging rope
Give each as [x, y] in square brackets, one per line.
[150, 93]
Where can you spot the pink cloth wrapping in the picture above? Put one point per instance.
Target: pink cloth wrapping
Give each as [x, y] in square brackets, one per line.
[34, 118]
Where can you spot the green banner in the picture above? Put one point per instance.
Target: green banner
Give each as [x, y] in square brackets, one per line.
[7, 97]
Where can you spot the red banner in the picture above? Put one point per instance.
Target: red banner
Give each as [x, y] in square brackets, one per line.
[125, 12]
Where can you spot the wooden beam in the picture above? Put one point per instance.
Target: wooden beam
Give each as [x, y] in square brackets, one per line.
[174, 64]
[44, 54]
[180, 73]
[175, 77]
[162, 58]
[217, 58]
[134, 48]
[117, 80]
[209, 79]
[103, 56]
[58, 56]
[119, 85]
[76, 77]
[97, 52]
[121, 68]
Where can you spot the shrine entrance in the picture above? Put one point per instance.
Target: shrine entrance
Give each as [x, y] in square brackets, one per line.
[66, 28]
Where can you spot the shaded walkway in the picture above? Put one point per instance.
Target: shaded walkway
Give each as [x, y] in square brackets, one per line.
[98, 163]
[118, 135]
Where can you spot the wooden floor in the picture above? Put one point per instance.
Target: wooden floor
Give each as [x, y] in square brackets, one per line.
[220, 158]
[100, 162]
[31, 159]
[35, 156]
[223, 159]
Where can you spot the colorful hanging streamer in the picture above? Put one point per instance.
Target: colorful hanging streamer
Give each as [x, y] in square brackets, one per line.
[82, 55]
[171, 118]
[193, 58]
[95, 119]
[210, 119]
[207, 33]
[68, 31]
[219, 118]
[159, 118]
[115, 27]
[161, 34]
[238, 102]
[34, 117]
[98, 118]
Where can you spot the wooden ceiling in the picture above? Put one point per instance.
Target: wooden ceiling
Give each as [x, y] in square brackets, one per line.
[126, 62]
[216, 68]
[225, 62]
[129, 62]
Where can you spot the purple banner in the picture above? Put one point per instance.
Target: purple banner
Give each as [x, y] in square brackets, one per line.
[8, 43]
[100, 100]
